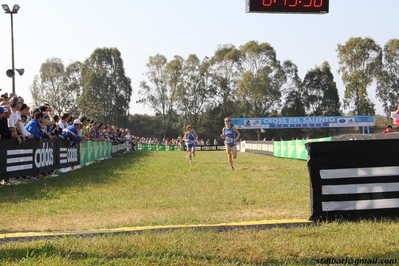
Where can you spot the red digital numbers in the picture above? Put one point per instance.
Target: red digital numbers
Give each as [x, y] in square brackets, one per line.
[320, 4]
[309, 5]
[267, 2]
[294, 3]
[288, 6]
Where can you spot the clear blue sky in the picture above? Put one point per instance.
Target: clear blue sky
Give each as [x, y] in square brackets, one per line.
[71, 30]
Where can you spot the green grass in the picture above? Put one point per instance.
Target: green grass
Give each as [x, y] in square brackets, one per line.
[162, 188]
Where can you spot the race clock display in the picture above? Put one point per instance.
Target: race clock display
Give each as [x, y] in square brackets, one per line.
[287, 6]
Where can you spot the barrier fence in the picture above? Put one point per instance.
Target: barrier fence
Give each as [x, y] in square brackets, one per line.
[33, 157]
[173, 147]
[94, 150]
[294, 149]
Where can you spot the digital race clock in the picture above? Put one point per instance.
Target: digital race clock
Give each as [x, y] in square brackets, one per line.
[287, 6]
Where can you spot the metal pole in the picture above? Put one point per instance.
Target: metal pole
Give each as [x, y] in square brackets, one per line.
[12, 54]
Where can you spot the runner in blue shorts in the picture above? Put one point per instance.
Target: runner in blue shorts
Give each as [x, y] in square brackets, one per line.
[231, 135]
[190, 137]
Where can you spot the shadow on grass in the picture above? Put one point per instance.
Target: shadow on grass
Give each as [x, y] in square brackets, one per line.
[49, 251]
[53, 251]
[98, 172]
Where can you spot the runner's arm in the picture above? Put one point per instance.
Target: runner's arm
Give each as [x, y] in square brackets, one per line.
[238, 134]
[222, 135]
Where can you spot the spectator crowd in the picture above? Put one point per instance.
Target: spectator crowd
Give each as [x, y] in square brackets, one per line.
[22, 123]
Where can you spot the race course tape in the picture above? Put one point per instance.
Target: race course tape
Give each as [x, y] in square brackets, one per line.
[265, 224]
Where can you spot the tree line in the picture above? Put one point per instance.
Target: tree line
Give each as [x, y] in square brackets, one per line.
[248, 81]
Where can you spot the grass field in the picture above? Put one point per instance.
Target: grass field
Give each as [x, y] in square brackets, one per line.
[162, 188]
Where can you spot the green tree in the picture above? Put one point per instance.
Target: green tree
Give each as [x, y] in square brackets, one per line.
[260, 85]
[293, 98]
[156, 93]
[57, 85]
[261, 81]
[293, 103]
[192, 95]
[106, 88]
[224, 70]
[360, 61]
[321, 94]
[73, 85]
[173, 74]
[143, 125]
[388, 80]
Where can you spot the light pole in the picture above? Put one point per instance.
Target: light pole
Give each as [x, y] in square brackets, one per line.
[14, 10]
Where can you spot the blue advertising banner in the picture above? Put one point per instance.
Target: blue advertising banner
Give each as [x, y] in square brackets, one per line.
[303, 122]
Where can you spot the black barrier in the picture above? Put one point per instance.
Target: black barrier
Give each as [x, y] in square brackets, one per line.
[354, 179]
[209, 147]
[33, 157]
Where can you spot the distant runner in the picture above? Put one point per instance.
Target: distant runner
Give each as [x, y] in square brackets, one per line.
[231, 135]
[190, 137]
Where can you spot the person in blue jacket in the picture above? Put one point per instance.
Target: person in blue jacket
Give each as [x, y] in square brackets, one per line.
[231, 135]
[33, 127]
[72, 132]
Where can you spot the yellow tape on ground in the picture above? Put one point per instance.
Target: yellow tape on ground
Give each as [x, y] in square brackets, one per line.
[219, 227]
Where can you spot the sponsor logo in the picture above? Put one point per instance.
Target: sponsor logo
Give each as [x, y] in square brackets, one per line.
[19, 159]
[44, 156]
[68, 155]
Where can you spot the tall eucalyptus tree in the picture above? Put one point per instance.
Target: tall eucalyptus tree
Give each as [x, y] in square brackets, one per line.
[360, 61]
[321, 94]
[262, 79]
[57, 85]
[294, 95]
[192, 95]
[388, 80]
[158, 91]
[106, 88]
[224, 70]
